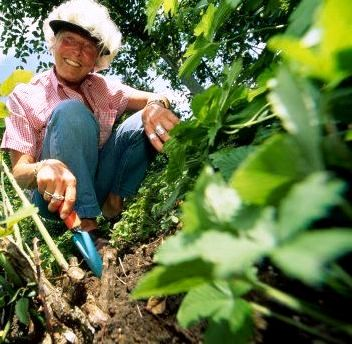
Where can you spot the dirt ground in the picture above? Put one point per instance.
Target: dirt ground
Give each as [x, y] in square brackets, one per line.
[133, 321]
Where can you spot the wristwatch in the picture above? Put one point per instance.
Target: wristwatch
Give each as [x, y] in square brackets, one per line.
[160, 101]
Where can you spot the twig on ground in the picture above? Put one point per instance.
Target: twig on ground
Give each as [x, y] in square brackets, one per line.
[139, 311]
[123, 269]
[123, 282]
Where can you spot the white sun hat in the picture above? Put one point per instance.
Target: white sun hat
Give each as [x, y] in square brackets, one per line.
[88, 18]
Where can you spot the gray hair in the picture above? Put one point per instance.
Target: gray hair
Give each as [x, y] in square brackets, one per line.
[93, 17]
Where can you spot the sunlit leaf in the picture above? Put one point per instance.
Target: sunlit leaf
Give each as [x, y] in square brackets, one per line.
[17, 77]
[3, 110]
[336, 23]
[293, 102]
[152, 9]
[307, 61]
[266, 175]
[325, 51]
[194, 53]
[211, 204]
[4, 231]
[307, 201]
[22, 310]
[19, 215]
[170, 6]
[206, 24]
[306, 257]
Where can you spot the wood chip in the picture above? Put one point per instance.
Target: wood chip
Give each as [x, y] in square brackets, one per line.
[156, 305]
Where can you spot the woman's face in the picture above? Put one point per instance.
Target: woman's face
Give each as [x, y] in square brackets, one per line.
[75, 57]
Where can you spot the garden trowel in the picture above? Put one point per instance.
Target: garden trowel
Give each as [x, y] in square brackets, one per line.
[85, 244]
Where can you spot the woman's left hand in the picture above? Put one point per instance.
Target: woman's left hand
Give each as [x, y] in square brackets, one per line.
[158, 121]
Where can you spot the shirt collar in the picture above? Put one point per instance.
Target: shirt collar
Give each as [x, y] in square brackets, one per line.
[56, 83]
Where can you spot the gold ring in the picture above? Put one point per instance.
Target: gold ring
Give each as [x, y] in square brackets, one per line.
[48, 193]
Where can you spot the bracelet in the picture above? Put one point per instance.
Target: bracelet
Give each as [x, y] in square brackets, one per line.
[37, 167]
[160, 101]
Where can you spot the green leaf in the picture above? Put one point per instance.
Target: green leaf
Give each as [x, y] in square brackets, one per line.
[201, 47]
[17, 77]
[228, 254]
[212, 204]
[266, 175]
[307, 201]
[173, 279]
[206, 24]
[302, 18]
[170, 6]
[336, 23]
[203, 301]
[293, 102]
[230, 92]
[228, 159]
[205, 105]
[5, 231]
[22, 310]
[19, 215]
[230, 317]
[325, 52]
[235, 327]
[3, 110]
[307, 256]
[152, 10]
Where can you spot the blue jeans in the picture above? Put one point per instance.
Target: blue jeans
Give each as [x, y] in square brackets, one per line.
[119, 167]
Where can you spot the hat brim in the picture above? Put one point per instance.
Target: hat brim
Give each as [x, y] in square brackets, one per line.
[58, 25]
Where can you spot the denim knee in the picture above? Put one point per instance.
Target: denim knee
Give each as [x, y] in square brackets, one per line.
[72, 116]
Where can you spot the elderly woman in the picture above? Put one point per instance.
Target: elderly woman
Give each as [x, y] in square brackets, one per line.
[60, 132]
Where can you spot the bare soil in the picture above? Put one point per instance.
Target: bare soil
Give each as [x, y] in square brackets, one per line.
[131, 321]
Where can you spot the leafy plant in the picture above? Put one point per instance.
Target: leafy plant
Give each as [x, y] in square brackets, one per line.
[18, 76]
[283, 190]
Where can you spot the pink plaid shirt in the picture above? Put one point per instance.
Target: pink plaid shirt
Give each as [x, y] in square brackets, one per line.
[31, 105]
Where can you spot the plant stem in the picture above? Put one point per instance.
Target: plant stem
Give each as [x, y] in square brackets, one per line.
[301, 306]
[247, 124]
[267, 312]
[8, 206]
[46, 236]
[266, 28]
[5, 331]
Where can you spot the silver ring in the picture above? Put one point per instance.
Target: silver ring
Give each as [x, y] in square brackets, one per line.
[159, 130]
[152, 136]
[57, 197]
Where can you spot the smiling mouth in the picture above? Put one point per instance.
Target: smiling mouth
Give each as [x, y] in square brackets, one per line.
[72, 63]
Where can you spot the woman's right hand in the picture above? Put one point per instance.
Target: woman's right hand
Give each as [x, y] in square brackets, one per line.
[57, 184]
